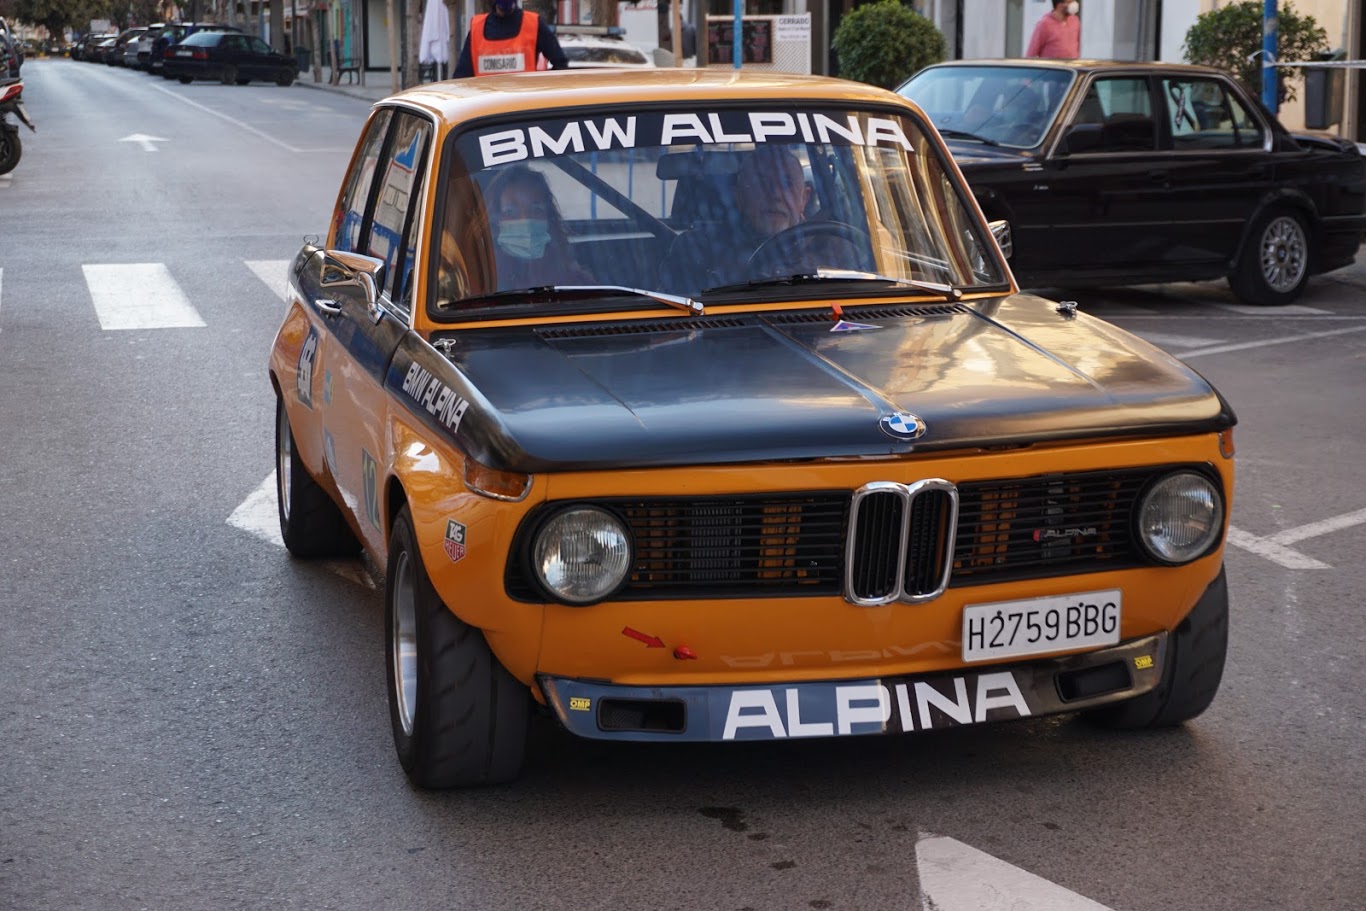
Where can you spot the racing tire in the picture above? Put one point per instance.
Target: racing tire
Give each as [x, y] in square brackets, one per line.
[185, 80]
[311, 523]
[459, 718]
[284, 78]
[229, 74]
[1194, 667]
[1273, 266]
[11, 150]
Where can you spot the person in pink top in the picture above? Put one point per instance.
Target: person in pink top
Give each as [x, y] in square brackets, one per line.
[1058, 34]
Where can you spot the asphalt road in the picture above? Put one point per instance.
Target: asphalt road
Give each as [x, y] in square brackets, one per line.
[191, 720]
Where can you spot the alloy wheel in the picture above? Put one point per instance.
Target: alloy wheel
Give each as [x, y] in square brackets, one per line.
[1284, 253]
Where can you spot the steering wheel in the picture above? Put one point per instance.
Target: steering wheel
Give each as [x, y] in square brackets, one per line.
[788, 246]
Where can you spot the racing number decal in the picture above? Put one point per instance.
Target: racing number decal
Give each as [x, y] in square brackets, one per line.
[303, 378]
[370, 476]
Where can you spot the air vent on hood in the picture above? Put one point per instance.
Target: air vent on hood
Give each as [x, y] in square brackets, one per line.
[637, 327]
[860, 313]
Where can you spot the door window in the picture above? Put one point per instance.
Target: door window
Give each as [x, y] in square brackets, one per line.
[1205, 114]
[259, 47]
[353, 206]
[399, 203]
[1122, 108]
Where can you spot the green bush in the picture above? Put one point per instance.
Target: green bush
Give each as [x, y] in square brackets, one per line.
[885, 43]
[1227, 37]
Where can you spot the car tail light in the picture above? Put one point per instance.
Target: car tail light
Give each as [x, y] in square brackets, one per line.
[199, 54]
[12, 92]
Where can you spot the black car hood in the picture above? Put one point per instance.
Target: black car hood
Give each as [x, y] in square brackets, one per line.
[966, 152]
[794, 386]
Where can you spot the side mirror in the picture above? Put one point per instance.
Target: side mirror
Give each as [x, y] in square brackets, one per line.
[1081, 137]
[367, 272]
[1000, 230]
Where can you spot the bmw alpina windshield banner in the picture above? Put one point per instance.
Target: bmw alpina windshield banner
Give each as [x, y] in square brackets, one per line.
[548, 138]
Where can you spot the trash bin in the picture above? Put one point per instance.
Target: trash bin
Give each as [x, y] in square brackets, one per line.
[1323, 93]
[304, 57]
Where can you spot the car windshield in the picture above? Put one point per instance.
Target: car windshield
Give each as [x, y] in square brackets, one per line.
[203, 39]
[1001, 105]
[696, 203]
[605, 54]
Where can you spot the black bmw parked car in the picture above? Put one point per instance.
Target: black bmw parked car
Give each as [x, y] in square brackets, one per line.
[229, 58]
[1114, 173]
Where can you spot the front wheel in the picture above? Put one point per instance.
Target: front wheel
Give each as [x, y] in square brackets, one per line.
[311, 524]
[11, 150]
[459, 718]
[285, 77]
[229, 74]
[1194, 668]
[185, 80]
[1273, 266]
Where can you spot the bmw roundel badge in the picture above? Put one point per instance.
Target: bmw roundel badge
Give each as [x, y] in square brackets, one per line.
[903, 425]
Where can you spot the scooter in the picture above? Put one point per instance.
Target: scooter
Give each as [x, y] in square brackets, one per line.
[11, 102]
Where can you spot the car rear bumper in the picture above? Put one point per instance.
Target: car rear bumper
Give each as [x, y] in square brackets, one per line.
[888, 705]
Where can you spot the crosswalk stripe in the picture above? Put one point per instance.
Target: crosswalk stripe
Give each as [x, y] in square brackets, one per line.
[274, 272]
[139, 296]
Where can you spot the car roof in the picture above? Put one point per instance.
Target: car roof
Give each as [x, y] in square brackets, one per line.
[459, 100]
[1087, 66]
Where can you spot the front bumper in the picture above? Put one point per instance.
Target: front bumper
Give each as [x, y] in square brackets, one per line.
[887, 705]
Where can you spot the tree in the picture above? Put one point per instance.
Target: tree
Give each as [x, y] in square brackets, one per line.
[884, 43]
[59, 15]
[1230, 37]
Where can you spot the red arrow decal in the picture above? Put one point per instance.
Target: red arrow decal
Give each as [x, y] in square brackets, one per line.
[650, 641]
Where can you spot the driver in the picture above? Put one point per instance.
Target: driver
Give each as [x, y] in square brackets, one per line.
[770, 197]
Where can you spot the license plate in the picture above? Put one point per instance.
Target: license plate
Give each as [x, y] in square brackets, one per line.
[1040, 626]
[184, 53]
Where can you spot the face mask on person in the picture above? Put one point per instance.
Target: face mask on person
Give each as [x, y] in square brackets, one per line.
[524, 238]
[1073, 8]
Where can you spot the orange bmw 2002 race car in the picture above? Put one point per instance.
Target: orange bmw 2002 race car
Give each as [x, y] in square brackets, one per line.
[702, 406]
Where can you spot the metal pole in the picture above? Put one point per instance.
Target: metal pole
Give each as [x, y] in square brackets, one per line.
[736, 50]
[1270, 39]
[676, 29]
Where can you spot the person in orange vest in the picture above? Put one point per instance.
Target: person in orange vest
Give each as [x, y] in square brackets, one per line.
[509, 41]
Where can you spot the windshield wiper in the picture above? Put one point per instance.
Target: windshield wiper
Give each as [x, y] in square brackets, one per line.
[948, 133]
[685, 304]
[839, 275]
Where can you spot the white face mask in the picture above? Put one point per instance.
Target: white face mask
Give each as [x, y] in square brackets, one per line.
[1073, 8]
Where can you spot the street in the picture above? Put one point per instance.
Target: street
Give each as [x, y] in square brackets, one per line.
[194, 720]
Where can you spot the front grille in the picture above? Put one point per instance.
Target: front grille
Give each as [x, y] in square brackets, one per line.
[1047, 526]
[719, 547]
[885, 542]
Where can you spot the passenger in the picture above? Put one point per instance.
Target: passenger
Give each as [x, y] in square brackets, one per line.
[530, 242]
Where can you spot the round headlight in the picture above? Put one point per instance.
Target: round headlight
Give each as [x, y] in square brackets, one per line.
[1180, 517]
[582, 554]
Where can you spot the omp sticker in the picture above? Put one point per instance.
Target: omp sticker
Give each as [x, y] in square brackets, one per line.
[370, 477]
[580, 704]
[455, 541]
[303, 377]
[1143, 662]
[439, 400]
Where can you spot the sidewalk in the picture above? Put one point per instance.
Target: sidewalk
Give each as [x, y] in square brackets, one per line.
[376, 85]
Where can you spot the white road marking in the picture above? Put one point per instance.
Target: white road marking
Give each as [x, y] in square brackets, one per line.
[1276, 553]
[1276, 548]
[143, 140]
[1266, 343]
[258, 515]
[274, 272]
[2, 290]
[1254, 310]
[237, 123]
[139, 296]
[1162, 340]
[958, 877]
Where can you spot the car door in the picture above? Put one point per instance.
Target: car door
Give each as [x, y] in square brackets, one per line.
[1104, 191]
[257, 59]
[233, 51]
[363, 336]
[1220, 165]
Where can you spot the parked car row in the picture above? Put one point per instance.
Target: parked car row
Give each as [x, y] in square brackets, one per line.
[188, 51]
